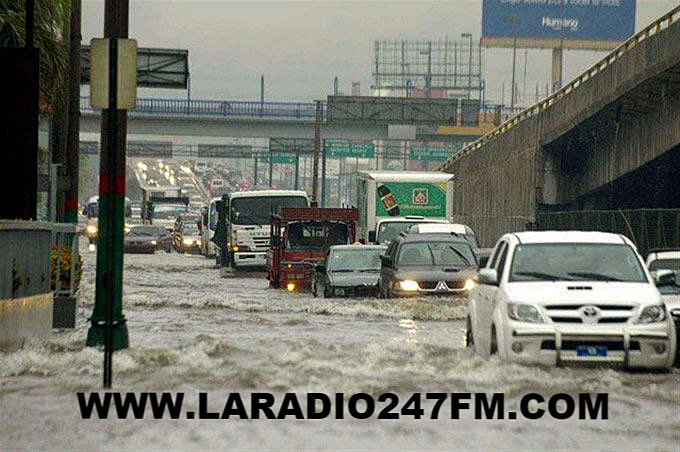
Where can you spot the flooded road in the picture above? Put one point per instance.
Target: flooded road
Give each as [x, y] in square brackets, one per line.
[192, 330]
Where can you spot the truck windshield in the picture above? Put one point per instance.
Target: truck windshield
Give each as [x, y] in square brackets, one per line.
[257, 210]
[168, 212]
[576, 262]
[438, 254]
[315, 236]
[357, 260]
[388, 230]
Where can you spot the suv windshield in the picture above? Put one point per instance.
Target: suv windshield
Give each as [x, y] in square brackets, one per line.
[576, 262]
[440, 254]
[354, 259]
[388, 230]
[258, 210]
[668, 264]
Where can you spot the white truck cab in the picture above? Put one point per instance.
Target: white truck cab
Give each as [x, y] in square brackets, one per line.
[249, 222]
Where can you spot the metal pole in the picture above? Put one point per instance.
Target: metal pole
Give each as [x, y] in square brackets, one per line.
[317, 151]
[30, 23]
[262, 95]
[271, 168]
[255, 172]
[73, 126]
[297, 169]
[323, 173]
[108, 323]
[470, 69]
[429, 69]
[514, 55]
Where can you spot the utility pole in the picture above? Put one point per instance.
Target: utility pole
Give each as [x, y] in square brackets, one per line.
[323, 173]
[73, 128]
[317, 150]
[335, 86]
[108, 324]
[524, 80]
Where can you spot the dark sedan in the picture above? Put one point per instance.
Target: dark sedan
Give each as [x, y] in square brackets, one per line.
[142, 239]
[348, 270]
[421, 264]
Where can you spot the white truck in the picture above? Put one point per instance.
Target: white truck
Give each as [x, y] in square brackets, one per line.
[391, 201]
[249, 222]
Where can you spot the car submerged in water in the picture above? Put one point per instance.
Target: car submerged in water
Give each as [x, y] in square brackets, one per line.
[559, 297]
[427, 264]
[348, 270]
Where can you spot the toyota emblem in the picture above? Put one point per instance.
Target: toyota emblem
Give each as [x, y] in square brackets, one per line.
[590, 311]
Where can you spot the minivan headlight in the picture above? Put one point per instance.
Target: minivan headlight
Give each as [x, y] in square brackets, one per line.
[652, 314]
[523, 312]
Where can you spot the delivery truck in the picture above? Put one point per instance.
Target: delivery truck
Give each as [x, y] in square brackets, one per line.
[391, 201]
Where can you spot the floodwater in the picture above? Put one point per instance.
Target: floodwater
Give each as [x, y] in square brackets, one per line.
[192, 331]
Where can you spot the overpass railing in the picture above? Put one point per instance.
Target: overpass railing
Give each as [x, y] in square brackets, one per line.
[654, 28]
[224, 108]
[488, 113]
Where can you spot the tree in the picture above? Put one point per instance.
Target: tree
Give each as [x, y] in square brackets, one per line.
[51, 20]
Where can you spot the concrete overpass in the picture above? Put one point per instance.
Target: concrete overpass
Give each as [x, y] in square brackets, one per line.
[610, 139]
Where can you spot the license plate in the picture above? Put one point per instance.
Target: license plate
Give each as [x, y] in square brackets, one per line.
[598, 351]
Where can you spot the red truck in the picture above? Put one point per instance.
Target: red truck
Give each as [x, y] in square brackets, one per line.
[300, 238]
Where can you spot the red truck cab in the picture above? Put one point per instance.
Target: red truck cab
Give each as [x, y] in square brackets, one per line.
[300, 238]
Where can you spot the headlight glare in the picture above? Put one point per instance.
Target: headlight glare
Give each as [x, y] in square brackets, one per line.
[652, 314]
[408, 285]
[523, 312]
[91, 229]
[153, 242]
[470, 284]
[187, 241]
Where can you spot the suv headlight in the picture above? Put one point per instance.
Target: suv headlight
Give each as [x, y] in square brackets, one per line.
[523, 312]
[652, 314]
[187, 241]
[408, 285]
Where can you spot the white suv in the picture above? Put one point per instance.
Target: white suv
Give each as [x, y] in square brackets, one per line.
[555, 297]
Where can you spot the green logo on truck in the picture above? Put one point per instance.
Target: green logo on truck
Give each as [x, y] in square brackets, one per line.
[408, 198]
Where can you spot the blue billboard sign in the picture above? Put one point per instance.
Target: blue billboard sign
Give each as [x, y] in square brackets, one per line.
[543, 23]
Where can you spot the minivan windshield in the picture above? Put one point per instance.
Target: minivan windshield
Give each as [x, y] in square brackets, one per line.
[576, 262]
[439, 254]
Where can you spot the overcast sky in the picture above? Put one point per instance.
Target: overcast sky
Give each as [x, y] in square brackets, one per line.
[301, 46]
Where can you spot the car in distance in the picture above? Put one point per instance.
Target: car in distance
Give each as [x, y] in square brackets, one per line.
[556, 297]
[420, 264]
[142, 239]
[187, 238]
[664, 265]
[348, 270]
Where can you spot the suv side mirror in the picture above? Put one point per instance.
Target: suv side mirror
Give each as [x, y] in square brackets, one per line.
[664, 277]
[488, 276]
[371, 236]
[386, 261]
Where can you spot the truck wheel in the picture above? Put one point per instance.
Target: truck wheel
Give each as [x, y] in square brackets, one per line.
[314, 290]
[469, 338]
[328, 292]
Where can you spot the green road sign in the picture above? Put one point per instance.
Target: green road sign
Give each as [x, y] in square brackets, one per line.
[346, 148]
[431, 153]
[285, 159]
